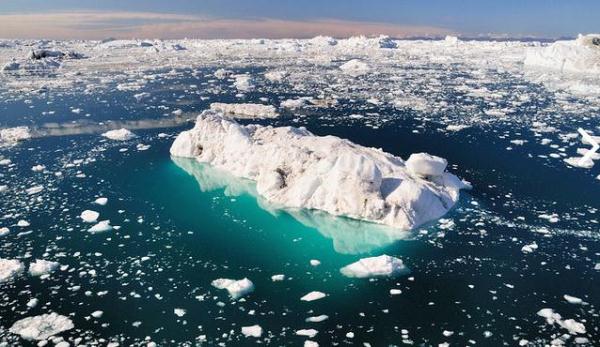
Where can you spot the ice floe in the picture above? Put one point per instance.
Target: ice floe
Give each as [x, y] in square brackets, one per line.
[381, 266]
[295, 169]
[119, 134]
[42, 267]
[235, 288]
[312, 296]
[41, 327]
[245, 110]
[10, 269]
[89, 216]
[252, 331]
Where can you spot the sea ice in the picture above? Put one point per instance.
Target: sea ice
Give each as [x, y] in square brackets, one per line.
[295, 169]
[42, 267]
[101, 201]
[89, 216]
[307, 332]
[312, 296]
[10, 269]
[41, 327]
[236, 288]
[571, 325]
[381, 266]
[252, 331]
[101, 227]
[245, 110]
[119, 134]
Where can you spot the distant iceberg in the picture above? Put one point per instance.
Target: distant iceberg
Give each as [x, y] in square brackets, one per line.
[581, 55]
[298, 170]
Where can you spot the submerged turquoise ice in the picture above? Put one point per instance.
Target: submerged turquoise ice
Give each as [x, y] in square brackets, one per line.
[184, 224]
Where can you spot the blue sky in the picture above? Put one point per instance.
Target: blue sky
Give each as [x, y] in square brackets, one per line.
[542, 18]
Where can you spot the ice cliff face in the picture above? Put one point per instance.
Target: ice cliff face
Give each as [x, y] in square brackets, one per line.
[580, 55]
[296, 169]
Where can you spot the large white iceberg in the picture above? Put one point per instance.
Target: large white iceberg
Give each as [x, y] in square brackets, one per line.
[298, 170]
[580, 55]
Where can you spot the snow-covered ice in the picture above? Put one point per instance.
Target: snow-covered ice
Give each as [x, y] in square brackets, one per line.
[252, 331]
[295, 169]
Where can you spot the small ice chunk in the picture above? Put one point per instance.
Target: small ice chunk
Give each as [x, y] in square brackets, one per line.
[529, 248]
[355, 67]
[315, 262]
[89, 216]
[309, 343]
[277, 278]
[34, 190]
[252, 331]
[23, 223]
[4, 231]
[10, 269]
[381, 266]
[247, 111]
[317, 319]
[101, 201]
[38, 168]
[32, 302]
[236, 288]
[41, 327]
[307, 332]
[179, 312]
[119, 134]
[97, 314]
[572, 299]
[42, 267]
[312, 296]
[101, 227]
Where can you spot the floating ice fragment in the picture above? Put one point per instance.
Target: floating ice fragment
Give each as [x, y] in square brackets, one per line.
[41, 327]
[34, 190]
[89, 216]
[252, 331]
[381, 266]
[42, 267]
[236, 288]
[317, 319]
[529, 248]
[100, 227]
[101, 201]
[355, 67]
[119, 134]
[277, 278]
[312, 296]
[572, 299]
[179, 312]
[248, 111]
[10, 269]
[307, 332]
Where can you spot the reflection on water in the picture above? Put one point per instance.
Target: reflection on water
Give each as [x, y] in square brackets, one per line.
[83, 126]
[349, 236]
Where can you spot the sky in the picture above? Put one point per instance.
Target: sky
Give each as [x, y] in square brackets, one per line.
[81, 19]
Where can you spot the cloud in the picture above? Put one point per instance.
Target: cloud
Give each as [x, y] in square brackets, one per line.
[99, 25]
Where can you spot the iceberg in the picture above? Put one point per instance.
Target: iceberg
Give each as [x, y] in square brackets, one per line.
[580, 56]
[42, 267]
[10, 269]
[119, 134]
[295, 169]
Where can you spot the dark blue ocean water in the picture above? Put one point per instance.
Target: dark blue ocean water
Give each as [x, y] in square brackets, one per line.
[184, 224]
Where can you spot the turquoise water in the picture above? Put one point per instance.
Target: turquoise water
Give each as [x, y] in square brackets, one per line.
[184, 224]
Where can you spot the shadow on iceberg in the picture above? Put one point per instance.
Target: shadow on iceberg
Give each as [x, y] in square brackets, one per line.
[349, 236]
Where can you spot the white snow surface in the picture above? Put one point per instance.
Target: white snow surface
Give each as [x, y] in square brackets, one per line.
[119, 134]
[245, 110]
[381, 266]
[298, 170]
[581, 55]
[235, 288]
[9, 269]
[41, 327]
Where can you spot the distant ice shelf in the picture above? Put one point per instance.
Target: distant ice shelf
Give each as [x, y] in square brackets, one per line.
[295, 169]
